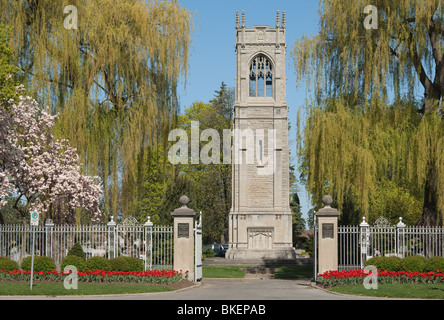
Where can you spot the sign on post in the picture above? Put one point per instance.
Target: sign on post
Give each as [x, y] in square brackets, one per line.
[34, 219]
[34, 223]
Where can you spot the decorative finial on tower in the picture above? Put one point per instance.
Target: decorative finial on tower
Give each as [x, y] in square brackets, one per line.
[277, 20]
[243, 19]
[283, 19]
[237, 20]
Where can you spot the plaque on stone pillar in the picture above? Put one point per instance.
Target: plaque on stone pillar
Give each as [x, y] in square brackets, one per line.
[328, 231]
[183, 230]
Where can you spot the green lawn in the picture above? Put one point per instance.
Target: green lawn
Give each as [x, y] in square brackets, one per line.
[425, 291]
[294, 272]
[57, 289]
[282, 272]
[223, 271]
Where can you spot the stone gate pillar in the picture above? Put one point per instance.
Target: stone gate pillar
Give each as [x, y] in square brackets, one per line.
[184, 238]
[327, 236]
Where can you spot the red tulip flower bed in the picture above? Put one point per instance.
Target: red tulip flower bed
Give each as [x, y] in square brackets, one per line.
[147, 277]
[356, 277]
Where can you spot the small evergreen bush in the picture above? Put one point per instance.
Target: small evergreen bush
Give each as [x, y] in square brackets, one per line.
[434, 264]
[98, 263]
[390, 263]
[119, 264]
[414, 264]
[75, 261]
[208, 253]
[76, 250]
[373, 262]
[7, 264]
[134, 264]
[41, 263]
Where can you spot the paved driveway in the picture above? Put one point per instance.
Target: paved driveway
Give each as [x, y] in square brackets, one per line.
[249, 289]
[226, 290]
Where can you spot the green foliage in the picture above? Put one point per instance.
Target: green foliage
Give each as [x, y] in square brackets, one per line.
[385, 263]
[112, 81]
[7, 264]
[309, 245]
[77, 250]
[411, 263]
[414, 263]
[434, 264]
[97, 263]
[134, 264]
[177, 186]
[345, 58]
[156, 181]
[208, 253]
[75, 261]
[8, 70]
[41, 263]
[119, 264]
[348, 151]
[298, 221]
[392, 201]
[375, 167]
[210, 183]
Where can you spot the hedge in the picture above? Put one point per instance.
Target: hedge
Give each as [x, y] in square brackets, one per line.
[41, 263]
[97, 263]
[411, 263]
[75, 261]
[7, 264]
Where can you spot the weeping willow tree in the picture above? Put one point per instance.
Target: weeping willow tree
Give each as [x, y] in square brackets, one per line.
[368, 58]
[109, 69]
[360, 155]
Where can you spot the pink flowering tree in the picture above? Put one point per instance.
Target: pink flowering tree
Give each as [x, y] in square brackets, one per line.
[42, 172]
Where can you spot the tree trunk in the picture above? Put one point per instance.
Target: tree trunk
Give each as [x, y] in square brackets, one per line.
[430, 214]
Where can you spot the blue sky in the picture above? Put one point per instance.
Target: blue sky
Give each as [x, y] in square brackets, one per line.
[212, 54]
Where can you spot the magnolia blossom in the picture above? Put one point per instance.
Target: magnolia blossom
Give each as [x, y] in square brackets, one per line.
[40, 169]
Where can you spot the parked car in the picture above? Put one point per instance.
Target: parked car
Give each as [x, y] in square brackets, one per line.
[218, 248]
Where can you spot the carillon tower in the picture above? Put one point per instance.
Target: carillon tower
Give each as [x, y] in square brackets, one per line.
[260, 221]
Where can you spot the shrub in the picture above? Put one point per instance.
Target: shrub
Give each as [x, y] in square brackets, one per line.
[76, 250]
[7, 264]
[208, 253]
[98, 263]
[373, 262]
[414, 264]
[434, 264]
[390, 263]
[385, 263]
[75, 261]
[119, 264]
[41, 263]
[134, 264]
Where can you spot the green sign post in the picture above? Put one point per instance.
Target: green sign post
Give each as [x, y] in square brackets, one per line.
[34, 223]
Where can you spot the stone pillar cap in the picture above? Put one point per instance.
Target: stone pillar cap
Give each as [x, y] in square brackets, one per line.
[183, 211]
[327, 210]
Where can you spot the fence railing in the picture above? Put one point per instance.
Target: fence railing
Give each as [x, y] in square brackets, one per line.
[152, 244]
[357, 244]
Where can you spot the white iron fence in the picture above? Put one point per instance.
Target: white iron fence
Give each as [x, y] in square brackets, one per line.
[152, 244]
[357, 244]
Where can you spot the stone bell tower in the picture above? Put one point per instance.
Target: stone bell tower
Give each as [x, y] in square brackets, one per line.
[260, 220]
